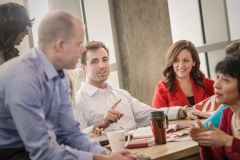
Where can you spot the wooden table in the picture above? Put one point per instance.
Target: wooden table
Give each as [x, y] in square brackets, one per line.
[187, 150]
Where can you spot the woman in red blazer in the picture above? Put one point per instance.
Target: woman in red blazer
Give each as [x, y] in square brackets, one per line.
[184, 83]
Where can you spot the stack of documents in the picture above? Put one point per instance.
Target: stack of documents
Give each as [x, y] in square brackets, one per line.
[146, 132]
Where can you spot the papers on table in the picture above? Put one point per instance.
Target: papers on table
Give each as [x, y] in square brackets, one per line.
[142, 132]
[175, 127]
[178, 136]
[146, 132]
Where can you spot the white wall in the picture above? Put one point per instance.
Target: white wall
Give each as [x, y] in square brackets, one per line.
[215, 26]
[37, 10]
[214, 18]
[214, 57]
[233, 7]
[185, 21]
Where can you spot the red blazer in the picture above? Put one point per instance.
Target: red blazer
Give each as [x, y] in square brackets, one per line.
[163, 98]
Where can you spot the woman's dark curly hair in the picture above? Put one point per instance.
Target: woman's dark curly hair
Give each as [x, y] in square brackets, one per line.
[13, 20]
[172, 53]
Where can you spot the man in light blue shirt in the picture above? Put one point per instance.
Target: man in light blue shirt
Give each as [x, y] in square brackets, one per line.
[35, 98]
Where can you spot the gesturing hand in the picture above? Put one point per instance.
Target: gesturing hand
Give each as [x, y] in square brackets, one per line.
[215, 137]
[112, 116]
[194, 131]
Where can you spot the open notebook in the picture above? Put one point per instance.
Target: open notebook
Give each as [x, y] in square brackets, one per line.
[178, 136]
[175, 127]
[146, 132]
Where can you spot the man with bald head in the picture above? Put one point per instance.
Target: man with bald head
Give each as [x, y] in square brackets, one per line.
[35, 98]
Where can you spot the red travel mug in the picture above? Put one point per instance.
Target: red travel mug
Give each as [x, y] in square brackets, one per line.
[159, 124]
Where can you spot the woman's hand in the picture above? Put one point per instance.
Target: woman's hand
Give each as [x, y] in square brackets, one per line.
[194, 113]
[194, 131]
[215, 137]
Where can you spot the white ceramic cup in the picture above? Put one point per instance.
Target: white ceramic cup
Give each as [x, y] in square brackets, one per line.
[117, 140]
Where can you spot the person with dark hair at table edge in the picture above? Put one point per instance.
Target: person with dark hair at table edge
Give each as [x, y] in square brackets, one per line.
[14, 26]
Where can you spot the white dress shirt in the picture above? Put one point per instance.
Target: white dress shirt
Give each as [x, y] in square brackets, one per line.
[92, 104]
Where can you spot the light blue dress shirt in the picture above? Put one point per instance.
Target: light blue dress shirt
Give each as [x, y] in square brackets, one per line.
[34, 99]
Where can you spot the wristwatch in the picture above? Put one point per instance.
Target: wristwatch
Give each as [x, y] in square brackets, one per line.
[184, 108]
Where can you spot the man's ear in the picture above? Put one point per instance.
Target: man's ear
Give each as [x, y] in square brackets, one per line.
[59, 45]
[83, 67]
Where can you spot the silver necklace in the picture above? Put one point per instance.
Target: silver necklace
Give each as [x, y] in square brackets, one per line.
[233, 124]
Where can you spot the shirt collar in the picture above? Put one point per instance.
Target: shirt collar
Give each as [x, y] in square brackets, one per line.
[90, 89]
[48, 68]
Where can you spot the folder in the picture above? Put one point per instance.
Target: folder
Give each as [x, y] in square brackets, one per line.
[207, 105]
[137, 143]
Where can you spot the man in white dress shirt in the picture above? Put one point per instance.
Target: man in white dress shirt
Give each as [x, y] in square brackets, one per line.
[99, 106]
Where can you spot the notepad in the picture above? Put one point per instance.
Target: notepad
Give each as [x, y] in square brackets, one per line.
[175, 127]
[178, 136]
[142, 132]
[146, 132]
[137, 143]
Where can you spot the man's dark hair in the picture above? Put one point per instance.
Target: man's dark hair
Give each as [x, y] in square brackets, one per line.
[92, 46]
[13, 20]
